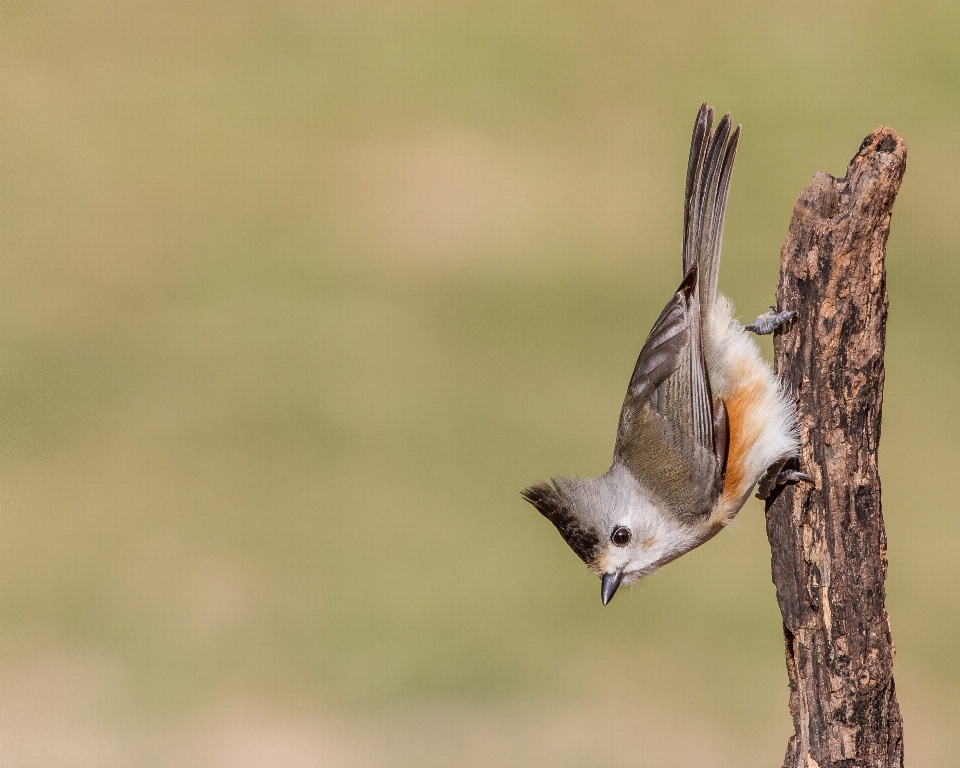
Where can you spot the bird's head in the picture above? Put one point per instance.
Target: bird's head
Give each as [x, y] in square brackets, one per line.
[613, 524]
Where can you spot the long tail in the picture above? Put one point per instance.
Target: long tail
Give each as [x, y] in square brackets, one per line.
[708, 182]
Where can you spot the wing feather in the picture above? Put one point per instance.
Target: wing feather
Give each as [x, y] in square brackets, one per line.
[673, 434]
[666, 437]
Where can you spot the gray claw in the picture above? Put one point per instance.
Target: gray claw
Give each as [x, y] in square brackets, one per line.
[770, 321]
[776, 476]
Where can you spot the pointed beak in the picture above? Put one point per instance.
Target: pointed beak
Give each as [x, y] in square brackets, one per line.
[609, 584]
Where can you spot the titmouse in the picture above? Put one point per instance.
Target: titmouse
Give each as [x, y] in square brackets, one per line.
[704, 415]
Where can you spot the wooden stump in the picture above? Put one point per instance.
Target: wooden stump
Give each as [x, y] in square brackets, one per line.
[827, 537]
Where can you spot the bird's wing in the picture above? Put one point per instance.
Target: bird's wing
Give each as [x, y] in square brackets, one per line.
[669, 424]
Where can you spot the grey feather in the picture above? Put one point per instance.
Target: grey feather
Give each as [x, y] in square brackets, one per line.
[672, 434]
[709, 171]
[559, 503]
[665, 439]
[665, 345]
[691, 222]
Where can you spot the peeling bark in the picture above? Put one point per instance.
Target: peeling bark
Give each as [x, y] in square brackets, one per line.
[827, 537]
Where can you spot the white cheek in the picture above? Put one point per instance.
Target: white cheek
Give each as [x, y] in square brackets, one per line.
[659, 538]
[655, 537]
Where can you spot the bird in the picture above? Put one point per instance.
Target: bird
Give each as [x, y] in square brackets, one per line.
[704, 417]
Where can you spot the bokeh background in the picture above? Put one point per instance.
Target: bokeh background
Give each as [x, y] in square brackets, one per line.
[296, 297]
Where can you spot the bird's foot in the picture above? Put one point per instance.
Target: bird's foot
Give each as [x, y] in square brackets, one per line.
[770, 321]
[776, 476]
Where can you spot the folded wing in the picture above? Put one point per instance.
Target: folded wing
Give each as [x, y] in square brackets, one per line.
[666, 437]
[673, 434]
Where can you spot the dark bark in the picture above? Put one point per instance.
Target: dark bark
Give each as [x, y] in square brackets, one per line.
[827, 537]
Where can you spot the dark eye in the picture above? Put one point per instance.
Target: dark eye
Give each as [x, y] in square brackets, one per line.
[620, 536]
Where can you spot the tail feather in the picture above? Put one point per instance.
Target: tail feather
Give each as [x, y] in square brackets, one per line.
[698, 145]
[708, 183]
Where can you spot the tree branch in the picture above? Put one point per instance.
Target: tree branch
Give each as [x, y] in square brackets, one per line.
[827, 537]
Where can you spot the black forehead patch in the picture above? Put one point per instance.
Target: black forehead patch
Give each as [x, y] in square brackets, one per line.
[554, 505]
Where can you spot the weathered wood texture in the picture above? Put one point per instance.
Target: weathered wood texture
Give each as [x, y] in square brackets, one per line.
[827, 537]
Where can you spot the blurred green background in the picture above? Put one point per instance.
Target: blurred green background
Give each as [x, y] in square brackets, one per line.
[296, 297]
